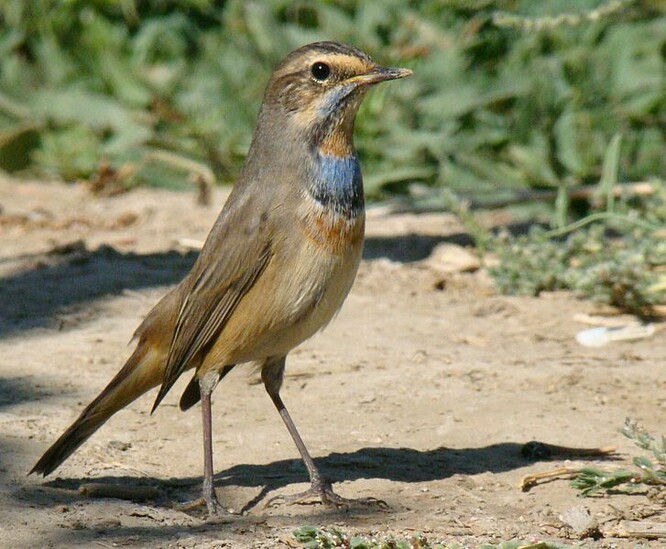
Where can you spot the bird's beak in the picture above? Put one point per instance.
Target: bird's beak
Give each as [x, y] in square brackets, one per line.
[378, 74]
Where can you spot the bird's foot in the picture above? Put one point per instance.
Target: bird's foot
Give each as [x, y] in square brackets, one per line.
[321, 491]
[210, 501]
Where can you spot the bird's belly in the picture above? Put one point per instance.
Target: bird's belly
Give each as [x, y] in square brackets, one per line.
[299, 293]
[316, 303]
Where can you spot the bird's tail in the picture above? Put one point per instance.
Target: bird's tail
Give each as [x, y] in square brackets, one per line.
[142, 371]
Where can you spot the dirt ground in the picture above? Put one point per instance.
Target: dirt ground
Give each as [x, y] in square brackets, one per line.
[421, 393]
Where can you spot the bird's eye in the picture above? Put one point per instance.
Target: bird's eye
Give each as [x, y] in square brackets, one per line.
[320, 71]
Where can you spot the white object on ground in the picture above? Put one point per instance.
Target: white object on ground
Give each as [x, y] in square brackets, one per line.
[598, 337]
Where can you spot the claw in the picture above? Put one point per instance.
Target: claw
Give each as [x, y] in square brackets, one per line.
[213, 506]
[321, 491]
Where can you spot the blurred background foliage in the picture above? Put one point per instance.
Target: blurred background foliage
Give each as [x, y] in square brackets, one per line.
[508, 97]
[495, 106]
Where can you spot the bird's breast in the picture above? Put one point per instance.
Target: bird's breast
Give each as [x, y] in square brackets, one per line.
[300, 291]
[329, 231]
[331, 213]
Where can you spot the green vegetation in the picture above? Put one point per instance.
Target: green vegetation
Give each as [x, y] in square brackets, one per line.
[615, 255]
[509, 97]
[330, 538]
[650, 472]
[497, 105]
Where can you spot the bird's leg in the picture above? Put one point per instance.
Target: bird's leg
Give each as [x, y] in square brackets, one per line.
[320, 487]
[207, 384]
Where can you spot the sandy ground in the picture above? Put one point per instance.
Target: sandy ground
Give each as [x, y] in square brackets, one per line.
[421, 393]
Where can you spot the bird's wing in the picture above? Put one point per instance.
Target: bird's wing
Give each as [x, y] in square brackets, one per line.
[234, 256]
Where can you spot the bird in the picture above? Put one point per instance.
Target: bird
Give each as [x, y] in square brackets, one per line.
[276, 266]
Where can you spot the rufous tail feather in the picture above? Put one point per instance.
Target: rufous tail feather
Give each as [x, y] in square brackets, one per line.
[142, 371]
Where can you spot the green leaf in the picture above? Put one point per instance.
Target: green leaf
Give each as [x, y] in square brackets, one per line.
[643, 463]
[609, 172]
[305, 533]
[358, 543]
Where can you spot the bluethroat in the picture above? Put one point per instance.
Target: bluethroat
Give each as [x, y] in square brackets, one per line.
[277, 264]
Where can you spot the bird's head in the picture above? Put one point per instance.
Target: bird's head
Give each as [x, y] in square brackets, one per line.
[317, 90]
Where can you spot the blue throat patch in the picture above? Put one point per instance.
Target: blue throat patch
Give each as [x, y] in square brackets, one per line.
[334, 99]
[338, 184]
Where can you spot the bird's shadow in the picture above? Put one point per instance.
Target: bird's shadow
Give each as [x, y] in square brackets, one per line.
[405, 465]
[55, 289]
